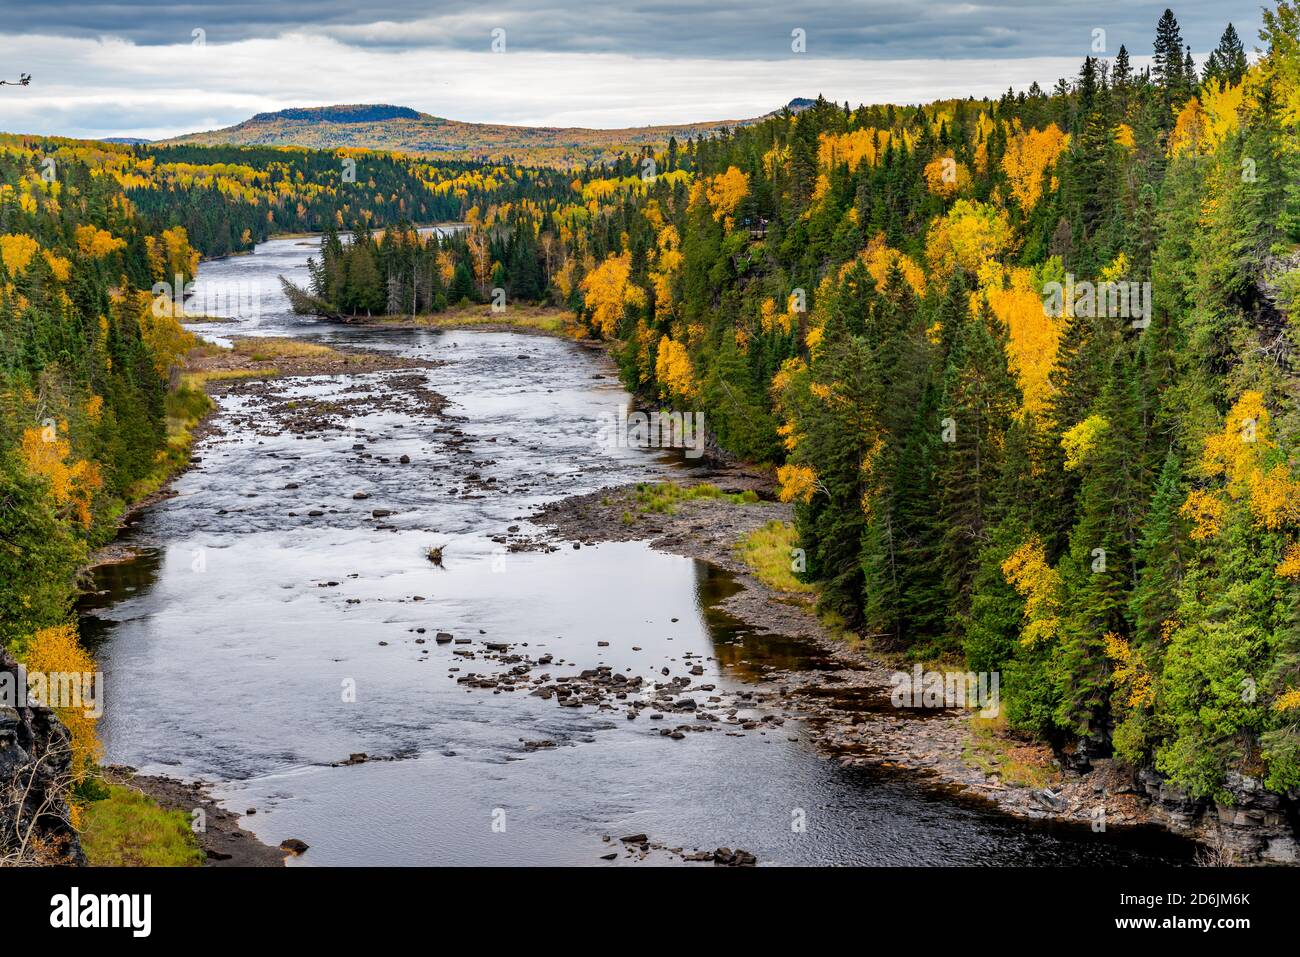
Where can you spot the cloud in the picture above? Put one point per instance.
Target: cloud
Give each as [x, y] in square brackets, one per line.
[716, 29]
[126, 69]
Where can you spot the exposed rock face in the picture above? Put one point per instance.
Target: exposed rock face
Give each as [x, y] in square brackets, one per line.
[1257, 827]
[35, 770]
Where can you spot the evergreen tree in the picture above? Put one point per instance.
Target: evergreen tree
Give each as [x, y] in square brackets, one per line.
[1168, 68]
[1227, 62]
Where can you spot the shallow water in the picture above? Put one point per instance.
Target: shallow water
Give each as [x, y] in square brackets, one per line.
[230, 646]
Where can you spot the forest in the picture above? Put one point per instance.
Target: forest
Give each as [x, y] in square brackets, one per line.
[1025, 366]
[1099, 500]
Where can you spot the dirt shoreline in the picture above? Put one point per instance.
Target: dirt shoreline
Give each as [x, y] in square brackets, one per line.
[224, 842]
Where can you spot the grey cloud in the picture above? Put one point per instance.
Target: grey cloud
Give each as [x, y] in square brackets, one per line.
[758, 29]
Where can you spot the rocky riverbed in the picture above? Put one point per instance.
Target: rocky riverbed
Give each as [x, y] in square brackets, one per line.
[846, 701]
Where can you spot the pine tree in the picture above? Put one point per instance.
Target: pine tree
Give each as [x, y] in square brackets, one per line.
[1159, 557]
[1122, 73]
[898, 552]
[1091, 179]
[1227, 62]
[1168, 66]
[1097, 573]
[838, 438]
[979, 399]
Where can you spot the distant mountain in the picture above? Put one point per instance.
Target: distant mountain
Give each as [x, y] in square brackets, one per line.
[357, 113]
[401, 129]
[127, 140]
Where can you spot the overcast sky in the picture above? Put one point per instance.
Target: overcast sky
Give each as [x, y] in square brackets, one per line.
[155, 69]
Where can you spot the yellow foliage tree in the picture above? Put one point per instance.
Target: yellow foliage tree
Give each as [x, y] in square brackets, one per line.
[57, 652]
[667, 266]
[17, 250]
[1131, 673]
[944, 176]
[73, 485]
[770, 320]
[1188, 129]
[60, 267]
[1205, 510]
[725, 193]
[161, 329]
[674, 370]
[796, 482]
[98, 243]
[967, 237]
[880, 259]
[608, 290]
[1027, 571]
[1205, 121]
[1030, 154]
[1234, 452]
[1033, 333]
[851, 148]
[1238, 454]
[1079, 441]
[1289, 567]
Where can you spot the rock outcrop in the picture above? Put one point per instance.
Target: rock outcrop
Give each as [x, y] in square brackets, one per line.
[35, 774]
[1257, 827]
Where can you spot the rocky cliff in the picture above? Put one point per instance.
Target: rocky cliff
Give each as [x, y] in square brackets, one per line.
[1257, 827]
[35, 774]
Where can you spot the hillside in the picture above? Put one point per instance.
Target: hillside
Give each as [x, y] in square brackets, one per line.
[400, 129]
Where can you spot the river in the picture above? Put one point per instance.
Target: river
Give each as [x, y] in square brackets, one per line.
[256, 645]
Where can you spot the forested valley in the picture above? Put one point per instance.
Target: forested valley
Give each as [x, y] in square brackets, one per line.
[1096, 498]
[1026, 366]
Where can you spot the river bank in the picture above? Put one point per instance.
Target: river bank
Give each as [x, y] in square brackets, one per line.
[217, 830]
[847, 704]
[247, 368]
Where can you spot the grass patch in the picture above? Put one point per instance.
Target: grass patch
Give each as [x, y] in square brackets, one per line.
[251, 349]
[128, 829]
[271, 348]
[768, 551]
[197, 380]
[185, 407]
[665, 498]
[547, 319]
[993, 750]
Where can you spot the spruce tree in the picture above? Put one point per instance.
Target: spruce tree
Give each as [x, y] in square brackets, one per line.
[1168, 66]
[979, 398]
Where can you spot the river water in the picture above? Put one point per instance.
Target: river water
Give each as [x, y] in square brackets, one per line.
[256, 645]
